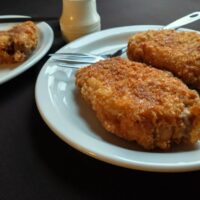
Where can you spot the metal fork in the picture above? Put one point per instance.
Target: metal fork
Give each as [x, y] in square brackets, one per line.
[72, 58]
[85, 57]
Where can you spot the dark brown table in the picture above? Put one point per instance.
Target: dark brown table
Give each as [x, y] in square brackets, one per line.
[36, 164]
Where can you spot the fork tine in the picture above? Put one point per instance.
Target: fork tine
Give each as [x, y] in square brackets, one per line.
[68, 66]
[79, 55]
[78, 58]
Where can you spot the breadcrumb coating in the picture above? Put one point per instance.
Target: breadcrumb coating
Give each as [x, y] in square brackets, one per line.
[140, 103]
[18, 42]
[177, 52]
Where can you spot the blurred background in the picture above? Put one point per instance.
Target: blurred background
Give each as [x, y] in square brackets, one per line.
[131, 12]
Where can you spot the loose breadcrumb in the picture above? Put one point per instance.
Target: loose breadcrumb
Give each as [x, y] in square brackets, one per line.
[178, 52]
[140, 103]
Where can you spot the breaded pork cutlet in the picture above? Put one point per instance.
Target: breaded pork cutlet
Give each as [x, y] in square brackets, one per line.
[178, 52]
[18, 42]
[140, 103]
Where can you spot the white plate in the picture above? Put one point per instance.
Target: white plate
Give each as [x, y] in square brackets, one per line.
[45, 41]
[72, 120]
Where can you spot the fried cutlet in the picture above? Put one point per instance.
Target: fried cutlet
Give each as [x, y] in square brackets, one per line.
[177, 52]
[140, 103]
[18, 42]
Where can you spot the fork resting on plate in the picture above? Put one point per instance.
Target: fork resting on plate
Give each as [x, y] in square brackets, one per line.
[69, 59]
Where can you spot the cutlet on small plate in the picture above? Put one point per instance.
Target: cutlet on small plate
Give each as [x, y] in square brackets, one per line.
[17, 43]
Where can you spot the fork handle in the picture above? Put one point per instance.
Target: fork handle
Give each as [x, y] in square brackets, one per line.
[183, 21]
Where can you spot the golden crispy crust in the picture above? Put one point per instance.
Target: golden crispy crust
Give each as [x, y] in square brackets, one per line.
[17, 43]
[140, 103]
[178, 52]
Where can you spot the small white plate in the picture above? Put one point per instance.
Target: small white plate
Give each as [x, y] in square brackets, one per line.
[45, 41]
[73, 121]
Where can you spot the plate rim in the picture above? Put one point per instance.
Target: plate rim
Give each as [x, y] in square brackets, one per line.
[145, 166]
[30, 62]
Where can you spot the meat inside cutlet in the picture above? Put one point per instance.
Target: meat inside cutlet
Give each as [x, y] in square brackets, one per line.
[177, 52]
[140, 103]
[18, 42]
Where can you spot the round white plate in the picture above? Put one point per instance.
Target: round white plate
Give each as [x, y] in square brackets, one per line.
[69, 117]
[45, 41]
